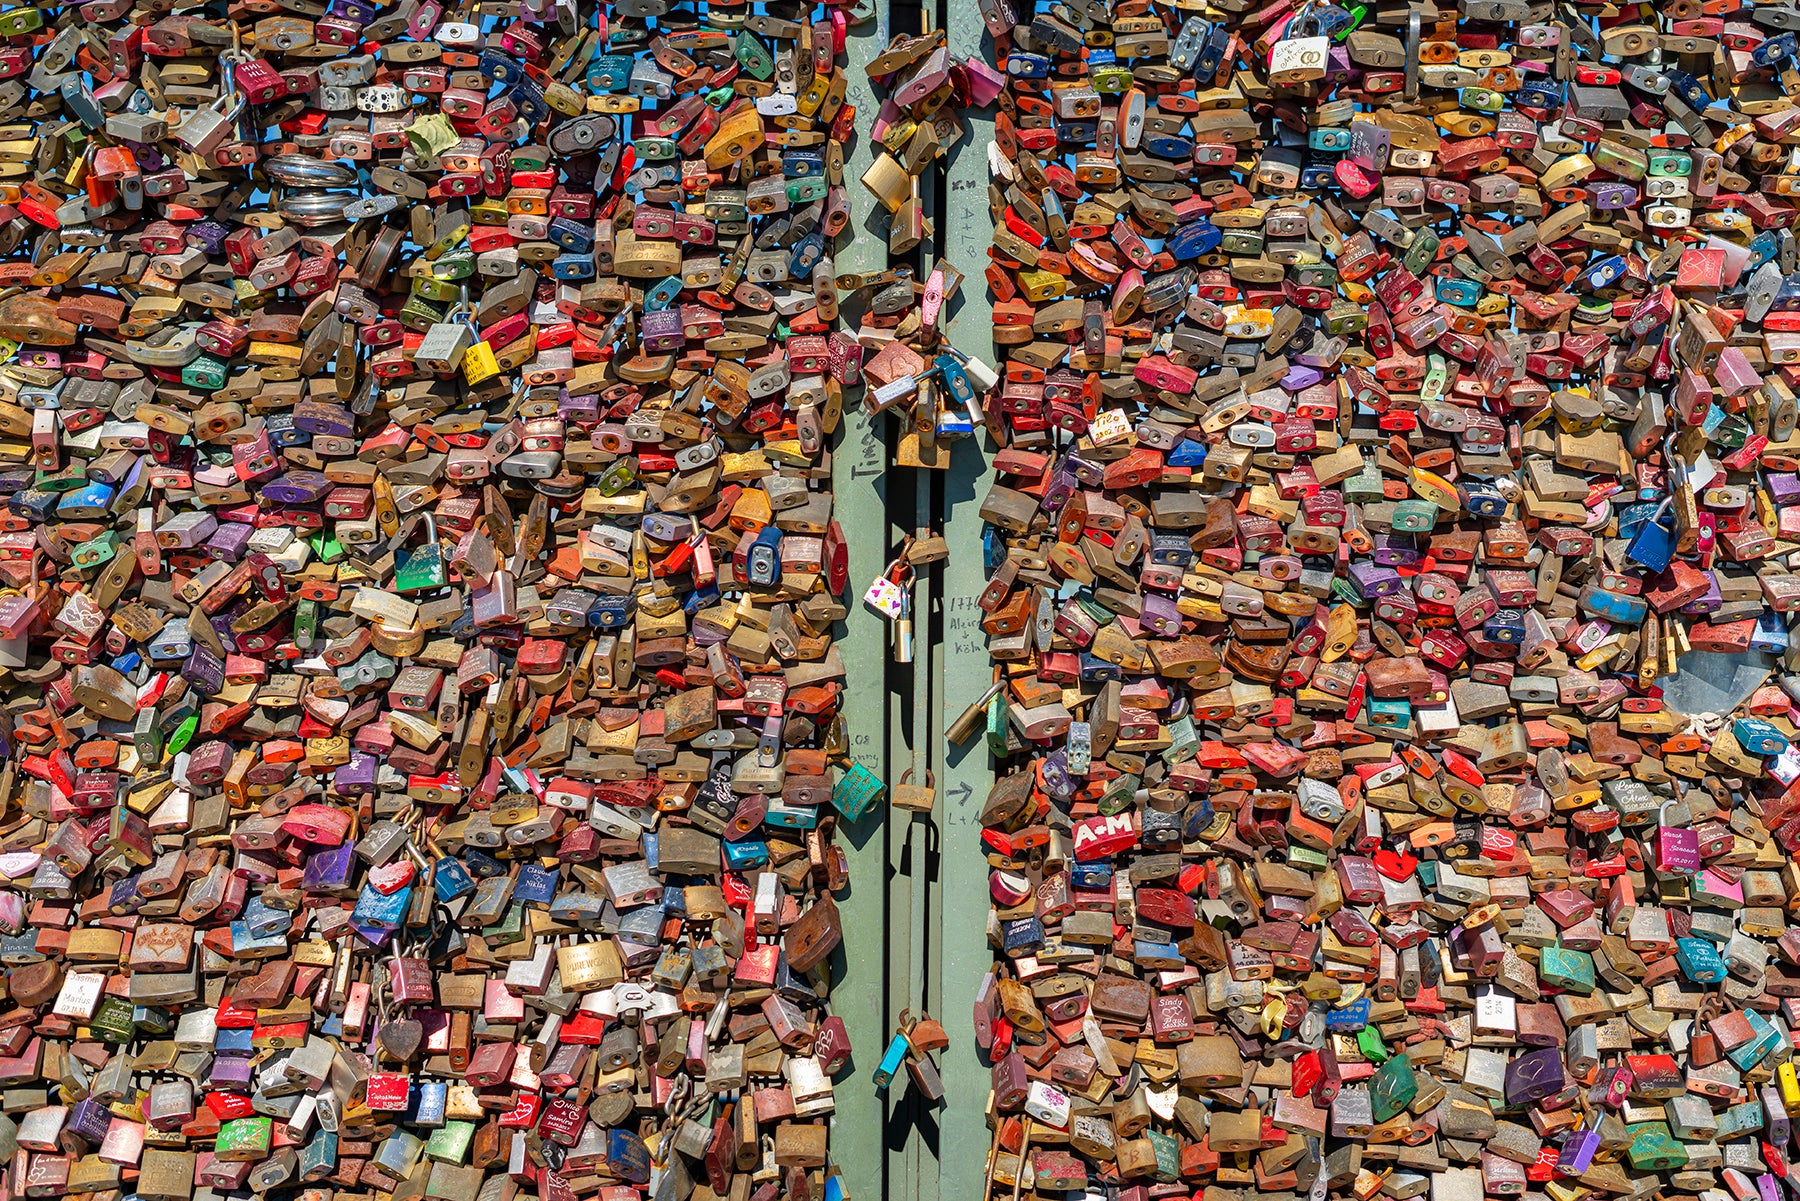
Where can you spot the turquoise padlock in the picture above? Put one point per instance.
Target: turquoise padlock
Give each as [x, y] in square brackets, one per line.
[857, 792]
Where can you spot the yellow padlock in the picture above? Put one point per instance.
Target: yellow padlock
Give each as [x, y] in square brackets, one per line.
[479, 363]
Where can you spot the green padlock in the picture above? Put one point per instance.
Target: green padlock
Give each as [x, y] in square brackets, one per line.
[1393, 1086]
[204, 373]
[998, 728]
[616, 478]
[1421, 251]
[449, 1143]
[1119, 794]
[1344, 318]
[457, 263]
[20, 21]
[184, 734]
[1168, 1156]
[532, 158]
[419, 314]
[1238, 241]
[244, 1140]
[857, 792]
[306, 624]
[438, 290]
[1414, 516]
[1562, 967]
[1110, 80]
[1184, 741]
[1654, 1149]
[67, 480]
[112, 1021]
[1368, 1041]
[1365, 486]
[754, 56]
[96, 552]
[421, 567]
[1318, 275]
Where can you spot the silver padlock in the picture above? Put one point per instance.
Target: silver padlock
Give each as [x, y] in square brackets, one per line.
[203, 130]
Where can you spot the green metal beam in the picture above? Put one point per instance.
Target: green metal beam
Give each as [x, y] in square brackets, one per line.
[858, 463]
[963, 772]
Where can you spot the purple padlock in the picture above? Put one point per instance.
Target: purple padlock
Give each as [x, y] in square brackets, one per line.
[1534, 1076]
[1086, 470]
[207, 235]
[577, 408]
[229, 541]
[230, 1071]
[123, 900]
[1323, 353]
[662, 331]
[204, 670]
[297, 488]
[329, 870]
[1299, 379]
[1577, 1152]
[90, 1120]
[321, 417]
[1707, 601]
[1775, 1118]
[1062, 487]
[1610, 195]
[1373, 580]
[1158, 616]
[1396, 550]
[357, 777]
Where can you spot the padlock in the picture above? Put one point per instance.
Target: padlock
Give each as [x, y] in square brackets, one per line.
[916, 798]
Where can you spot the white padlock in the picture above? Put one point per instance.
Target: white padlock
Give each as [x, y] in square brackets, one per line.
[886, 597]
[1299, 60]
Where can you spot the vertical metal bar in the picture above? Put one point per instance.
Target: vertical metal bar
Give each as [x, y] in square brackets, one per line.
[859, 458]
[902, 1156]
[963, 771]
[907, 894]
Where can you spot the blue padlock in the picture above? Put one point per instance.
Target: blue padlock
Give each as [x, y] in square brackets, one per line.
[382, 912]
[1027, 66]
[1157, 956]
[500, 68]
[662, 295]
[1761, 1045]
[1699, 960]
[745, 853]
[627, 1157]
[1091, 875]
[889, 1067]
[1758, 736]
[1187, 453]
[762, 562]
[1021, 936]
[1653, 545]
[1194, 239]
[1348, 1019]
[572, 267]
[86, 503]
[450, 880]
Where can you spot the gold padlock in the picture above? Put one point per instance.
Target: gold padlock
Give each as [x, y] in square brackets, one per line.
[915, 798]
